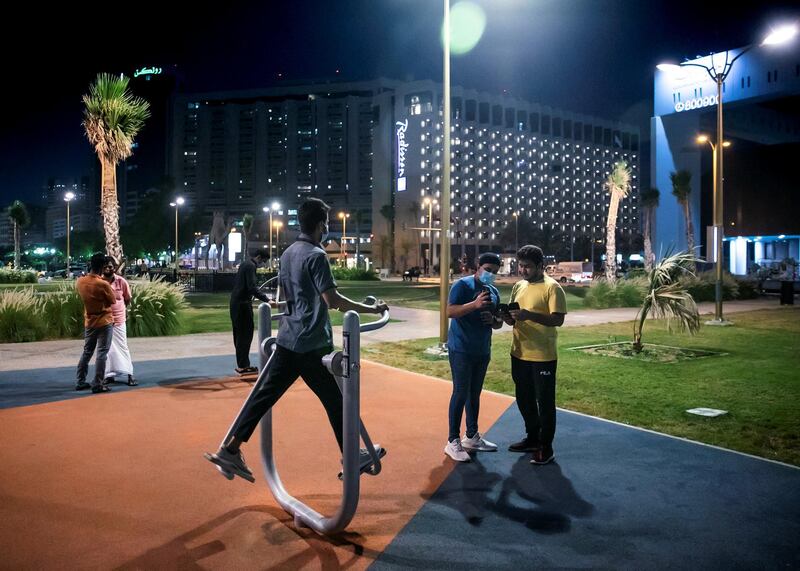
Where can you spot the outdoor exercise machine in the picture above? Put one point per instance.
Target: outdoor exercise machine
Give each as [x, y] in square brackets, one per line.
[345, 366]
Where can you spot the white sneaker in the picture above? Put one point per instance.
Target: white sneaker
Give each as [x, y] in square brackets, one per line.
[477, 442]
[456, 451]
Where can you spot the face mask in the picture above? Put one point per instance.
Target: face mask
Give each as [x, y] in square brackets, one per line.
[486, 278]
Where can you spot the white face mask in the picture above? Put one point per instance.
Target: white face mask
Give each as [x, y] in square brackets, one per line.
[486, 278]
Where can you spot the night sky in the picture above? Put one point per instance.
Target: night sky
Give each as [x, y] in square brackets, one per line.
[588, 56]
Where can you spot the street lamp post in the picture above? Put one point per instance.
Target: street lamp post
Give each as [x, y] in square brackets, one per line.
[429, 203]
[68, 197]
[178, 202]
[718, 75]
[343, 216]
[444, 258]
[278, 226]
[269, 210]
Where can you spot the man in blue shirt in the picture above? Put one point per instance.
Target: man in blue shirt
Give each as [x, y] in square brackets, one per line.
[472, 308]
[304, 337]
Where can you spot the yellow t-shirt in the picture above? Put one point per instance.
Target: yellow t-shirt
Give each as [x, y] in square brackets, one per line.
[534, 341]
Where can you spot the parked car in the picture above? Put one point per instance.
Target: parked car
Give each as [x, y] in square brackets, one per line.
[411, 273]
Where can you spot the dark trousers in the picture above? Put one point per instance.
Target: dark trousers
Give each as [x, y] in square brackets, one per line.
[242, 321]
[536, 397]
[285, 368]
[99, 338]
[468, 373]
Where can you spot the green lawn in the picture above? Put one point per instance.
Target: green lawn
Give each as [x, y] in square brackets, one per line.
[757, 380]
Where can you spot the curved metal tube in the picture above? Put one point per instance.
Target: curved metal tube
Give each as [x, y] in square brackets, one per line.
[346, 367]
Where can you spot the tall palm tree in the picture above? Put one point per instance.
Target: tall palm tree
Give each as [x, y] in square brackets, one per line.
[649, 202]
[19, 217]
[247, 227]
[667, 298]
[112, 117]
[618, 185]
[681, 189]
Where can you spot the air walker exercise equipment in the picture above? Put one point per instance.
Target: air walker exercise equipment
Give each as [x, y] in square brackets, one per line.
[345, 366]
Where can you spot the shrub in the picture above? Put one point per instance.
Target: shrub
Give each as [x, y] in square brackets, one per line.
[622, 293]
[21, 316]
[702, 286]
[748, 289]
[155, 308]
[62, 311]
[17, 276]
[577, 291]
[354, 274]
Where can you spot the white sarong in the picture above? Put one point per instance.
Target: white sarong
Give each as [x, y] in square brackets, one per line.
[119, 357]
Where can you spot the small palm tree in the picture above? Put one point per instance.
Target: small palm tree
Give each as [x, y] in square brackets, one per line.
[19, 217]
[666, 298]
[247, 227]
[112, 117]
[681, 189]
[618, 185]
[649, 203]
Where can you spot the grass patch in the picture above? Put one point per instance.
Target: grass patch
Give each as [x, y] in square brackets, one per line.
[650, 353]
[756, 380]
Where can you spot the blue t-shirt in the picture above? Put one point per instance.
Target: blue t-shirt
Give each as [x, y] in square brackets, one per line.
[468, 334]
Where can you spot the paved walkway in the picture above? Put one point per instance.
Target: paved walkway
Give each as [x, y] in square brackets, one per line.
[412, 324]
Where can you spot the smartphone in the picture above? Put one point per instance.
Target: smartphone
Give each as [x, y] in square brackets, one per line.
[502, 307]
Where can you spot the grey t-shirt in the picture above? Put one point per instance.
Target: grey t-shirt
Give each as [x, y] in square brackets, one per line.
[305, 273]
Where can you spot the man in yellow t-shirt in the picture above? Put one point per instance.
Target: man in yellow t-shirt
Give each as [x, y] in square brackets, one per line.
[537, 307]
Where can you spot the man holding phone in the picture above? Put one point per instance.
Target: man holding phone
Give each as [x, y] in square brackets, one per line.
[538, 305]
[471, 307]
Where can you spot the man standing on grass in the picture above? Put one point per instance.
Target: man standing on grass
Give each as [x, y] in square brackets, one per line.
[245, 289]
[537, 307]
[98, 297]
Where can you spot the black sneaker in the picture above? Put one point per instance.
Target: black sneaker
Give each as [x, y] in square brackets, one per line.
[525, 445]
[543, 455]
[82, 386]
[231, 464]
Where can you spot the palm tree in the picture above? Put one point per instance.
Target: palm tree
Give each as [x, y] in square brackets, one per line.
[406, 245]
[247, 227]
[112, 117]
[618, 185]
[649, 202]
[667, 298]
[388, 212]
[681, 189]
[19, 217]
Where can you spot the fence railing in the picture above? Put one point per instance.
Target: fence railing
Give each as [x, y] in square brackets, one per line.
[202, 281]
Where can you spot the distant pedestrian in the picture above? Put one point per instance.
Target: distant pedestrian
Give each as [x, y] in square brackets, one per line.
[245, 288]
[98, 297]
[119, 356]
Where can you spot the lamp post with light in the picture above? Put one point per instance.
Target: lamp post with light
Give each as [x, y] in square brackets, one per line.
[68, 197]
[718, 74]
[178, 202]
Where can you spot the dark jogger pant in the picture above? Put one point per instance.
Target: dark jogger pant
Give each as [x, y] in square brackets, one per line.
[242, 321]
[536, 397]
[285, 368]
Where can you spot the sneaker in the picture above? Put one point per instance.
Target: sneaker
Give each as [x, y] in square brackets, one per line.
[543, 455]
[456, 451]
[478, 443]
[231, 463]
[82, 386]
[365, 459]
[524, 445]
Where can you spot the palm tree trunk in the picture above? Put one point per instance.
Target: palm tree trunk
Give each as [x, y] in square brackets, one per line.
[689, 227]
[611, 244]
[648, 244]
[16, 245]
[109, 208]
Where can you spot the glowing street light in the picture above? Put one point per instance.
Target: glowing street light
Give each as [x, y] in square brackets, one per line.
[68, 197]
[269, 210]
[718, 74]
[178, 202]
[343, 216]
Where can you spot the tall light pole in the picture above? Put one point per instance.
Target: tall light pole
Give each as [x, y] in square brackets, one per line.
[278, 226]
[516, 231]
[178, 202]
[68, 197]
[343, 216]
[269, 210]
[444, 258]
[429, 203]
[718, 74]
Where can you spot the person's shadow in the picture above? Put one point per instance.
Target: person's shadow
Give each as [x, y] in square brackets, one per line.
[466, 489]
[553, 495]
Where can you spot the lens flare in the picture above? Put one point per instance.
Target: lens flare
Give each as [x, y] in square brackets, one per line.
[467, 23]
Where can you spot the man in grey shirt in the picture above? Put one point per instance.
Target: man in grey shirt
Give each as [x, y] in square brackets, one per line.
[304, 337]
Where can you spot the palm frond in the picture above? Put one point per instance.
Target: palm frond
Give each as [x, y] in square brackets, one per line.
[681, 184]
[619, 180]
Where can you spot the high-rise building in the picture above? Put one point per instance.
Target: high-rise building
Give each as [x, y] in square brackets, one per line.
[375, 147]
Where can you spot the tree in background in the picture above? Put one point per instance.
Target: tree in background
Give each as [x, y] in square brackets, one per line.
[681, 190]
[649, 203]
[112, 117]
[618, 185]
[20, 218]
